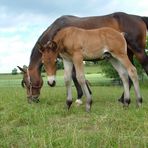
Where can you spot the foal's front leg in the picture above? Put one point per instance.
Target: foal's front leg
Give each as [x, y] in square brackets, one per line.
[78, 63]
[67, 78]
[78, 87]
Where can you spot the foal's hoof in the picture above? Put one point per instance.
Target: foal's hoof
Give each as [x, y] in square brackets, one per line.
[68, 103]
[126, 102]
[139, 102]
[79, 102]
[121, 100]
[88, 106]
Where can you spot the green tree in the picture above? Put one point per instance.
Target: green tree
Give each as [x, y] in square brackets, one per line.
[14, 71]
[60, 64]
[25, 67]
[110, 72]
[108, 69]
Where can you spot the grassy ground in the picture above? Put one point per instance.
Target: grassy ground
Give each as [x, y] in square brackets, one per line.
[49, 124]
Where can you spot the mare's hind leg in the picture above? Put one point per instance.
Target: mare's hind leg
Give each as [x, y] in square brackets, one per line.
[133, 75]
[124, 77]
[67, 78]
[142, 57]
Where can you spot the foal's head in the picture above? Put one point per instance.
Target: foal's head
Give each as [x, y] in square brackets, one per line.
[49, 58]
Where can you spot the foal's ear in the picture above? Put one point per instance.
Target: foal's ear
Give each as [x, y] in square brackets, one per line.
[52, 45]
[21, 69]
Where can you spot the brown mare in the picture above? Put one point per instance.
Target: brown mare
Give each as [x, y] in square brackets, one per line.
[134, 26]
[75, 45]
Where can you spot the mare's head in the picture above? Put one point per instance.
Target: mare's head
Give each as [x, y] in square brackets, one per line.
[49, 59]
[33, 83]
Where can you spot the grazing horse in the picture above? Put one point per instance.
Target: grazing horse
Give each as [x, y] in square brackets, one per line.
[134, 26]
[75, 45]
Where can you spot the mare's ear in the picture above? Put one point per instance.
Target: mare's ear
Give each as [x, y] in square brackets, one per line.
[40, 47]
[21, 69]
[52, 45]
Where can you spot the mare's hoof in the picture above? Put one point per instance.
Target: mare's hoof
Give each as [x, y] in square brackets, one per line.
[68, 103]
[35, 100]
[79, 102]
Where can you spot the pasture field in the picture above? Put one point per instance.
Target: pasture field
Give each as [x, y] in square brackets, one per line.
[48, 124]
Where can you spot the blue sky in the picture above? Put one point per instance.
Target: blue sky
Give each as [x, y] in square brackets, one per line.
[23, 21]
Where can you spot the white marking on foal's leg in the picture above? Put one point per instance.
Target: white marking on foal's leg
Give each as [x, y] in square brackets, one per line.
[51, 79]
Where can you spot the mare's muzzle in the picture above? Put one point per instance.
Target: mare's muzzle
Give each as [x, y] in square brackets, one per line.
[33, 98]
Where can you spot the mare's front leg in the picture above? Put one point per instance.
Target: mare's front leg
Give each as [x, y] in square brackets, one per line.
[67, 78]
[78, 87]
[78, 63]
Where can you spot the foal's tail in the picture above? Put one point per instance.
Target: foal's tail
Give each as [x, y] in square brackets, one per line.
[145, 19]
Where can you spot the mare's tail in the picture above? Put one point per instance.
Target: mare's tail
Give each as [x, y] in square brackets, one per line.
[133, 44]
[145, 19]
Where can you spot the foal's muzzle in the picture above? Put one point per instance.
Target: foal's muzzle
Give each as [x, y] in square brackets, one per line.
[51, 84]
[51, 81]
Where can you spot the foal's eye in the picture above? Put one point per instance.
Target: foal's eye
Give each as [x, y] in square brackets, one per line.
[56, 61]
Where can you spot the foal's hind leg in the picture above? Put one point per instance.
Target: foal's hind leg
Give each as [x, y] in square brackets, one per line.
[134, 77]
[130, 56]
[124, 77]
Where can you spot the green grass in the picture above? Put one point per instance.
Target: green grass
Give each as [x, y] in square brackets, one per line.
[49, 124]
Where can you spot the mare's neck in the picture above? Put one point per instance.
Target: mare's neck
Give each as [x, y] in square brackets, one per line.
[35, 60]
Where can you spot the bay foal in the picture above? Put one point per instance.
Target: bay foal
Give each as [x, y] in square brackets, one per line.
[75, 45]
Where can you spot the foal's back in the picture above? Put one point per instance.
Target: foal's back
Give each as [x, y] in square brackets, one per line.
[91, 42]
